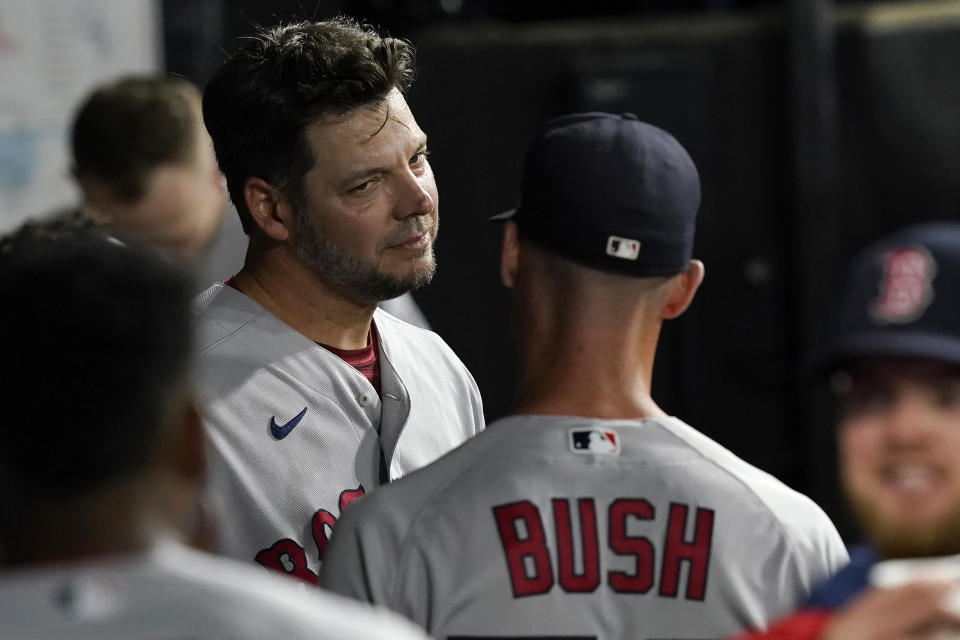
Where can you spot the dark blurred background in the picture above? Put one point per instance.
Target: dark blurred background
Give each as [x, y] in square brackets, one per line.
[816, 126]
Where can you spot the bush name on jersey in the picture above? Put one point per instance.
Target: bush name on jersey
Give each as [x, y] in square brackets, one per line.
[287, 556]
[530, 562]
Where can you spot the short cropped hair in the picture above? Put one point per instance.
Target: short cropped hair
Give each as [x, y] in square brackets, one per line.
[259, 103]
[127, 128]
[96, 348]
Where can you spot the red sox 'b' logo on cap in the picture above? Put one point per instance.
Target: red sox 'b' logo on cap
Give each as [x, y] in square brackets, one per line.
[906, 287]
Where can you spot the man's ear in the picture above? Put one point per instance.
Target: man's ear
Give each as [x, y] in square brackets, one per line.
[684, 289]
[509, 254]
[270, 209]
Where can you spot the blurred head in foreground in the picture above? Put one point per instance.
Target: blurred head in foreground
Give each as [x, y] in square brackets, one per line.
[101, 450]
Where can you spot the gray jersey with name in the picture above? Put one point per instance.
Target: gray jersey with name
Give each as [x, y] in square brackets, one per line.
[295, 433]
[583, 528]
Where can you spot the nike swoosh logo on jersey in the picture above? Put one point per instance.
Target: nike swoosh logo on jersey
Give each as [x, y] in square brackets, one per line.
[281, 431]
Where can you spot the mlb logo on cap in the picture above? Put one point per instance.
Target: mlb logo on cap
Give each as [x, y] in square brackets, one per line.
[610, 192]
[623, 248]
[594, 441]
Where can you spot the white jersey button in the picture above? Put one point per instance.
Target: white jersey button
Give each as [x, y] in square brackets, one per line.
[365, 398]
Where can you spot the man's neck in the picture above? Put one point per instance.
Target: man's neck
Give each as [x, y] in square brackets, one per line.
[110, 522]
[587, 369]
[282, 285]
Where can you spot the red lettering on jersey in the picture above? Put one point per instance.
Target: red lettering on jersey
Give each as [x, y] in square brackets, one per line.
[349, 496]
[323, 520]
[590, 578]
[906, 289]
[286, 556]
[696, 553]
[640, 547]
[517, 549]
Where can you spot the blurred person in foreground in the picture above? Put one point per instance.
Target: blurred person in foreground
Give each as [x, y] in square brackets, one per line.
[102, 457]
[893, 359]
[145, 165]
[589, 512]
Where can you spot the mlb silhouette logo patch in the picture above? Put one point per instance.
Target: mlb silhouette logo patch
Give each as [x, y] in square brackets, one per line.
[625, 248]
[594, 441]
[906, 286]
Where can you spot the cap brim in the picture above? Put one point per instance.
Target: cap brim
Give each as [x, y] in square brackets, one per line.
[506, 215]
[841, 353]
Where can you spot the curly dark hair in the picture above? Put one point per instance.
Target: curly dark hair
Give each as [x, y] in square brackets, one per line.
[258, 104]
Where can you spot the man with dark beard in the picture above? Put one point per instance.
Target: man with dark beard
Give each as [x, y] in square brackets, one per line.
[311, 395]
[894, 357]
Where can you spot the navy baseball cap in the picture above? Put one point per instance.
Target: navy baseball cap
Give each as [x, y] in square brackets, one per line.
[899, 299]
[611, 192]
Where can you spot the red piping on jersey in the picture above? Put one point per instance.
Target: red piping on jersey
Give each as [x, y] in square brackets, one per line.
[365, 360]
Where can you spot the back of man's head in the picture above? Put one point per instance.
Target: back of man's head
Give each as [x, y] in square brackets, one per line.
[97, 354]
[127, 128]
[610, 192]
[257, 106]
[608, 208]
[145, 164]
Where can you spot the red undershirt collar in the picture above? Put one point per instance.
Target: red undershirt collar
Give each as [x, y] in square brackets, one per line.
[365, 360]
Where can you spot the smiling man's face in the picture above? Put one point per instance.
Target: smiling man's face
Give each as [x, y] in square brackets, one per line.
[900, 454]
[369, 214]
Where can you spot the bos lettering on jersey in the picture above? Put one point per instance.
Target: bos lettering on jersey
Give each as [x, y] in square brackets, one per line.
[535, 568]
[287, 556]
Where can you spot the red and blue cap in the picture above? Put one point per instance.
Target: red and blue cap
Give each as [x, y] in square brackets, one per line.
[898, 300]
[610, 192]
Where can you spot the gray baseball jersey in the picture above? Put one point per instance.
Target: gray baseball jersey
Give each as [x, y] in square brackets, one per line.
[295, 433]
[549, 526]
[173, 593]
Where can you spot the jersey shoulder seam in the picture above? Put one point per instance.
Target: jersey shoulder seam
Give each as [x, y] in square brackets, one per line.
[428, 499]
[230, 332]
[785, 531]
[418, 338]
[386, 315]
